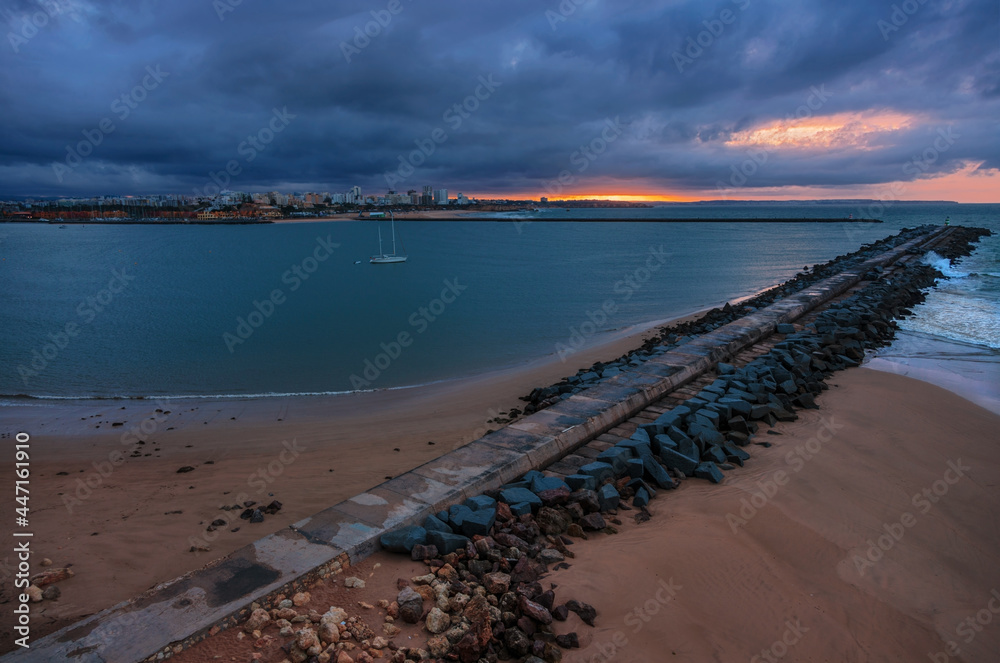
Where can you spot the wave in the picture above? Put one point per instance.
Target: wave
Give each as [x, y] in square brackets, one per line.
[967, 315]
[27, 399]
[943, 265]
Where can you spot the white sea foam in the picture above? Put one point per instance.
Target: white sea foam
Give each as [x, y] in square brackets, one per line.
[965, 306]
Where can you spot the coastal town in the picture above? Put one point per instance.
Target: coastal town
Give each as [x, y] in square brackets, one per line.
[264, 207]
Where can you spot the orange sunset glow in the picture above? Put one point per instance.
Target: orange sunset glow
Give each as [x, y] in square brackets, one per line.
[803, 139]
[967, 185]
[860, 131]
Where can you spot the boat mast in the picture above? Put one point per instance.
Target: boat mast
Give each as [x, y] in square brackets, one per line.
[393, 232]
[380, 241]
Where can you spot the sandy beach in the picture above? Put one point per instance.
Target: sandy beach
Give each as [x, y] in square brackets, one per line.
[806, 559]
[127, 526]
[771, 566]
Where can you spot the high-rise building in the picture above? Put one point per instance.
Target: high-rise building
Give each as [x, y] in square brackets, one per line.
[441, 196]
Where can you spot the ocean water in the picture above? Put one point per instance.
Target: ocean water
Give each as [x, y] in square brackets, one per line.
[953, 338]
[129, 311]
[965, 306]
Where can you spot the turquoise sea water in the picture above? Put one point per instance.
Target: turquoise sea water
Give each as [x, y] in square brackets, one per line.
[126, 311]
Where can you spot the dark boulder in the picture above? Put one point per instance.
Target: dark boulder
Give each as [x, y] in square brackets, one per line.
[708, 470]
[581, 482]
[593, 521]
[678, 461]
[446, 543]
[519, 495]
[403, 540]
[481, 502]
[411, 605]
[608, 497]
[600, 471]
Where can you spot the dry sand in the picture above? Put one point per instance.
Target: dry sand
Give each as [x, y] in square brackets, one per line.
[803, 557]
[793, 579]
[126, 528]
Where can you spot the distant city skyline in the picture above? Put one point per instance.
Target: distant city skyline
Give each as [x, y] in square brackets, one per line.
[643, 101]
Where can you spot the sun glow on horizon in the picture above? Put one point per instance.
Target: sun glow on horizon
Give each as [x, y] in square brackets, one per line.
[631, 198]
[970, 184]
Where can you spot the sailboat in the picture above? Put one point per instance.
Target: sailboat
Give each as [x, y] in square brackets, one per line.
[385, 258]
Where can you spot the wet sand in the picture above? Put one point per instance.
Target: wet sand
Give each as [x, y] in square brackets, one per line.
[971, 371]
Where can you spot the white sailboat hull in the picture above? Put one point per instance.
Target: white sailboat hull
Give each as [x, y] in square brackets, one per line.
[385, 260]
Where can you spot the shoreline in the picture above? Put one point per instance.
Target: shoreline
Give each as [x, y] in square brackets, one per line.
[628, 337]
[968, 370]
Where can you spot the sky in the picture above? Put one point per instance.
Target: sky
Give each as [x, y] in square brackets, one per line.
[630, 99]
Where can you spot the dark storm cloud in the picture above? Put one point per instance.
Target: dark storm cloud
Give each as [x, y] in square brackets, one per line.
[681, 79]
